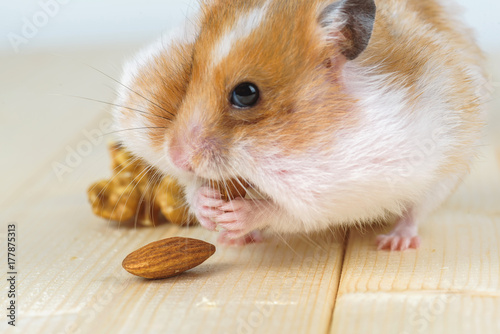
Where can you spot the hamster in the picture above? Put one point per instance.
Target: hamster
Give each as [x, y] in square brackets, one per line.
[335, 113]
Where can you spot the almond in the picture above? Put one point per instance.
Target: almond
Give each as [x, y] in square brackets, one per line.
[167, 257]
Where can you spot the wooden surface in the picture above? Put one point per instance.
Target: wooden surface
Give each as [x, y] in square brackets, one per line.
[69, 262]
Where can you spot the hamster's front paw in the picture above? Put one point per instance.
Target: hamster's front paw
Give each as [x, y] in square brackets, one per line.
[205, 206]
[240, 216]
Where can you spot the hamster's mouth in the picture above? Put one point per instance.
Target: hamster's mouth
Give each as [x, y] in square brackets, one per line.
[236, 187]
[230, 188]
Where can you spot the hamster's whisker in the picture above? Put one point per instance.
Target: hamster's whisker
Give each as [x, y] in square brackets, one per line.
[287, 244]
[239, 182]
[142, 174]
[143, 196]
[136, 109]
[132, 129]
[130, 89]
[249, 184]
[157, 178]
[126, 202]
[254, 200]
[135, 185]
[331, 229]
[226, 188]
[313, 243]
[156, 97]
[224, 181]
[120, 106]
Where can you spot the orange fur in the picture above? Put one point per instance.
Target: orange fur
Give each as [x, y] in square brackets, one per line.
[160, 88]
[286, 60]
[284, 55]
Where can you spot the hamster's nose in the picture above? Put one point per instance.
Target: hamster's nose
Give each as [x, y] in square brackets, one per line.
[180, 158]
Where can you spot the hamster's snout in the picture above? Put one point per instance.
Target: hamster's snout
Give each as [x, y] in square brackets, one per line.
[193, 150]
[182, 149]
[180, 157]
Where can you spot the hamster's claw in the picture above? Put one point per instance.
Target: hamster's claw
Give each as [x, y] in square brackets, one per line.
[397, 243]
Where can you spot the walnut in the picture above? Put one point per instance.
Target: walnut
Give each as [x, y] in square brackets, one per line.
[170, 199]
[138, 192]
[114, 199]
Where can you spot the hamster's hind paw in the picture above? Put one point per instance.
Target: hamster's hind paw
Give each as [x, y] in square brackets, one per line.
[396, 242]
[404, 236]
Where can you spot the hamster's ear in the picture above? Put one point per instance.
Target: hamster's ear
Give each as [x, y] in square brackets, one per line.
[348, 24]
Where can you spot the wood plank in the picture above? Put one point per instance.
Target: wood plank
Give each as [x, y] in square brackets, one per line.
[451, 283]
[71, 277]
[433, 313]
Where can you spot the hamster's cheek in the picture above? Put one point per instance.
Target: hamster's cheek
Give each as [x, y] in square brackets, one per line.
[135, 133]
[277, 176]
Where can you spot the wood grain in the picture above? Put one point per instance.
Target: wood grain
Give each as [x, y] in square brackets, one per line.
[70, 275]
[452, 283]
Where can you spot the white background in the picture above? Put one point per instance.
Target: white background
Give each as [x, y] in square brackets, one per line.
[84, 23]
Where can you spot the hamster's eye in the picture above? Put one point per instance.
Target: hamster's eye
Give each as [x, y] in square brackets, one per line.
[245, 95]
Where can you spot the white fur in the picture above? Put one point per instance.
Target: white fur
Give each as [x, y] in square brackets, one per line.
[390, 161]
[137, 141]
[186, 34]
